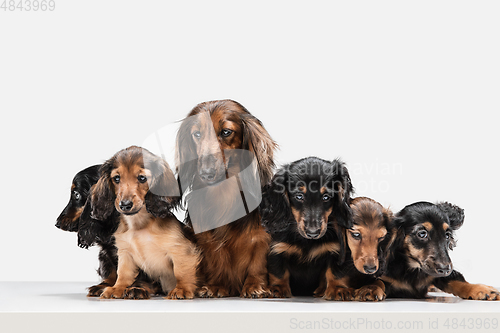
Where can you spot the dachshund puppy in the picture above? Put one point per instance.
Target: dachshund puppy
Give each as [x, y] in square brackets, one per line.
[368, 248]
[425, 233]
[71, 220]
[142, 189]
[224, 156]
[302, 208]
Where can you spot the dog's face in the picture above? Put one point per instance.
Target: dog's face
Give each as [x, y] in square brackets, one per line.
[208, 137]
[311, 203]
[213, 134]
[428, 235]
[80, 188]
[130, 186]
[132, 179]
[427, 244]
[311, 190]
[365, 238]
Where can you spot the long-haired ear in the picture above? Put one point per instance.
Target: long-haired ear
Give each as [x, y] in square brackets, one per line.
[342, 237]
[258, 141]
[455, 214]
[275, 206]
[386, 247]
[397, 230]
[87, 229]
[343, 190]
[92, 231]
[186, 157]
[163, 195]
[102, 198]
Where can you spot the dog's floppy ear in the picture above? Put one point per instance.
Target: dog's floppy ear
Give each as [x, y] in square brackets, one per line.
[163, 195]
[387, 245]
[92, 231]
[186, 157]
[342, 237]
[87, 231]
[343, 190]
[257, 140]
[455, 214]
[397, 230]
[102, 198]
[275, 206]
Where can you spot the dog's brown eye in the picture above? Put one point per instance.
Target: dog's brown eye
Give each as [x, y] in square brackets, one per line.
[447, 235]
[142, 179]
[299, 197]
[326, 197]
[381, 239]
[422, 234]
[76, 195]
[226, 132]
[116, 179]
[197, 134]
[356, 235]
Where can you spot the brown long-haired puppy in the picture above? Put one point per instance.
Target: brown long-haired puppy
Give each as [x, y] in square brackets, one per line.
[224, 156]
[368, 245]
[143, 189]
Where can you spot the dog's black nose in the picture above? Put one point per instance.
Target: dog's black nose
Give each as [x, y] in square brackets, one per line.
[443, 269]
[126, 205]
[58, 224]
[207, 174]
[370, 269]
[313, 232]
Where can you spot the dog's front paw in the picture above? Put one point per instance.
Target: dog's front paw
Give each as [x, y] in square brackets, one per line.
[338, 294]
[280, 291]
[480, 292]
[181, 293]
[254, 290]
[96, 291]
[136, 293]
[113, 292]
[369, 293]
[212, 291]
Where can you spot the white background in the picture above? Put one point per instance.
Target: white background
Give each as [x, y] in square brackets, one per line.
[405, 92]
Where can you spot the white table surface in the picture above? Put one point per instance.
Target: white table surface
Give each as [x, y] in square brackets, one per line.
[71, 297]
[29, 305]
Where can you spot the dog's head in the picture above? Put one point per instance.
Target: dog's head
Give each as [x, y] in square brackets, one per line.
[367, 238]
[306, 195]
[131, 179]
[208, 134]
[426, 233]
[80, 188]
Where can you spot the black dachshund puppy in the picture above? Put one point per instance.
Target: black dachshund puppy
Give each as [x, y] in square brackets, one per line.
[303, 206]
[424, 234]
[71, 220]
[75, 217]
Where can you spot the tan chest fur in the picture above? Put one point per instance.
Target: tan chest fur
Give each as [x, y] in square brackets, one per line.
[151, 243]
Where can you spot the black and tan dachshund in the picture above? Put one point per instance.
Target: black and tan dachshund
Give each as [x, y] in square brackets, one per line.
[71, 219]
[302, 207]
[425, 233]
